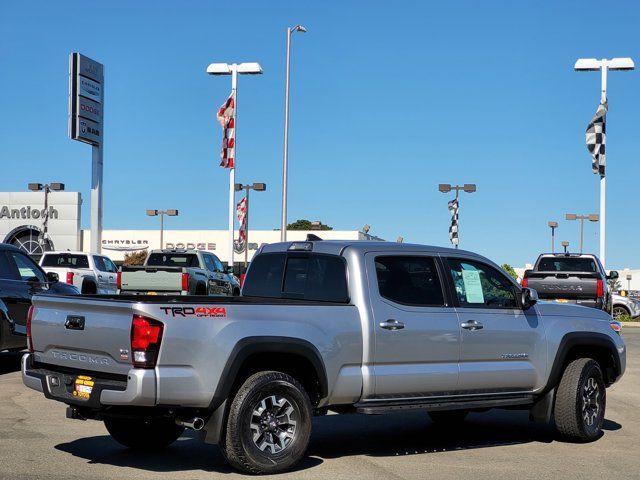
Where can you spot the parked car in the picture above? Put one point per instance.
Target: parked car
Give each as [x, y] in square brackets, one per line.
[625, 306]
[20, 279]
[571, 278]
[90, 273]
[178, 272]
[366, 327]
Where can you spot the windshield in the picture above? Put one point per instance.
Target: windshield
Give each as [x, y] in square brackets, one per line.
[65, 260]
[172, 260]
[567, 264]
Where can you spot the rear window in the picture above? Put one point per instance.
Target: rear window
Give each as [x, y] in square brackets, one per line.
[304, 276]
[173, 260]
[566, 264]
[65, 260]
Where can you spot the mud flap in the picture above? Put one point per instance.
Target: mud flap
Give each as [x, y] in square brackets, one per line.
[212, 431]
[542, 410]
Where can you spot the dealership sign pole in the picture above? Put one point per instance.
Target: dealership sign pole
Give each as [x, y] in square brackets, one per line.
[86, 115]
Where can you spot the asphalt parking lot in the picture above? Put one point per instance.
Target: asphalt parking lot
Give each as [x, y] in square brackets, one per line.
[37, 442]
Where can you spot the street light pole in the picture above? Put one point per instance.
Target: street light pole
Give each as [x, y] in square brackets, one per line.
[604, 65]
[553, 226]
[467, 187]
[161, 214]
[565, 245]
[47, 188]
[258, 187]
[285, 155]
[593, 217]
[251, 68]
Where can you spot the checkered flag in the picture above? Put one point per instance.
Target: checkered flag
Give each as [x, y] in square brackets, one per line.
[227, 119]
[596, 139]
[453, 228]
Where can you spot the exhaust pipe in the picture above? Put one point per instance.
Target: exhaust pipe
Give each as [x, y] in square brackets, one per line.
[195, 423]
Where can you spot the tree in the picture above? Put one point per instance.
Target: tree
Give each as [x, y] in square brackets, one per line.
[509, 269]
[614, 284]
[308, 225]
[134, 258]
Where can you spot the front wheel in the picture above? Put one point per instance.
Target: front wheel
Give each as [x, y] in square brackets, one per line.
[143, 434]
[618, 311]
[269, 424]
[580, 401]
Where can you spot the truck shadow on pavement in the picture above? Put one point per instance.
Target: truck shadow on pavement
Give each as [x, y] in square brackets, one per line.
[10, 362]
[336, 436]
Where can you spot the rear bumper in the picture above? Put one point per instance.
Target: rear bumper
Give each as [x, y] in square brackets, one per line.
[137, 388]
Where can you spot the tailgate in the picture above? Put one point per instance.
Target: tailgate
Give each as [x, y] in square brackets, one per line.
[567, 285]
[82, 333]
[152, 279]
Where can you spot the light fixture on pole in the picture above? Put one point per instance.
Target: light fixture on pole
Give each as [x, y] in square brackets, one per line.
[565, 245]
[47, 187]
[629, 277]
[233, 69]
[553, 226]
[162, 213]
[604, 65]
[454, 207]
[285, 155]
[593, 217]
[258, 187]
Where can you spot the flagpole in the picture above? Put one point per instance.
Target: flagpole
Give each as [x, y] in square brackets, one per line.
[232, 171]
[603, 178]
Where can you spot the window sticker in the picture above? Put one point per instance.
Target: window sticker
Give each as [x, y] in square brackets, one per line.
[472, 286]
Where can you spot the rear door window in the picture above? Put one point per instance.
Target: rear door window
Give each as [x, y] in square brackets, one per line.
[409, 280]
[99, 262]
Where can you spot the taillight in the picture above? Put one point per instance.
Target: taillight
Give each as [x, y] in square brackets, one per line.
[600, 288]
[70, 278]
[29, 339]
[185, 282]
[119, 280]
[525, 282]
[146, 335]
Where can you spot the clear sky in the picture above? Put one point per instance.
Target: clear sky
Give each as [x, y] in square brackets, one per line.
[388, 100]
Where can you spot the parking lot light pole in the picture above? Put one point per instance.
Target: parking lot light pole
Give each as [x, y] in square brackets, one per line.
[258, 187]
[47, 187]
[285, 155]
[593, 217]
[553, 226]
[233, 69]
[467, 187]
[604, 65]
[162, 213]
[629, 277]
[565, 245]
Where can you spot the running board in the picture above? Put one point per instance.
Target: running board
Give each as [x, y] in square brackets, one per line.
[468, 403]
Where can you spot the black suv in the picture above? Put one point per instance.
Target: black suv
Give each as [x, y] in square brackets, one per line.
[20, 279]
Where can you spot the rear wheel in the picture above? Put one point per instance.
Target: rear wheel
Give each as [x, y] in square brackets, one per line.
[269, 424]
[143, 434]
[580, 401]
[89, 288]
[451, 416]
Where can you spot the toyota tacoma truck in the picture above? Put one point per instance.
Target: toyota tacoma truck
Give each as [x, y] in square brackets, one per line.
[571, 278]
[178, 272]
[347, 326]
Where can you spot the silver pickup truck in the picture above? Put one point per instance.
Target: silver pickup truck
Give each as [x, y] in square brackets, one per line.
[346, 326]
[178, 272]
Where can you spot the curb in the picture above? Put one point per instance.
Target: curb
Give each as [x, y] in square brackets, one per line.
[630, 324]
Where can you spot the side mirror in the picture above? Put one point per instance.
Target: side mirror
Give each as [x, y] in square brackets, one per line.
[529, 298]
[53, 277]
[613, 275]
[229, 270]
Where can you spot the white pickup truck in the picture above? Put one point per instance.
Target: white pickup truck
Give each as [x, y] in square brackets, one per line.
[89, 273]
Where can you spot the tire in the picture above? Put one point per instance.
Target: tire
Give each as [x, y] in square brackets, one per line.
[236, 292]
[580, 401]
[265, 398]
[448, 417]
[143, 434]
[619, 310]
[89, 288]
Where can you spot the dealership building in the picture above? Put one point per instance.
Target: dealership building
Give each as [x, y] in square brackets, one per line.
[26, 223]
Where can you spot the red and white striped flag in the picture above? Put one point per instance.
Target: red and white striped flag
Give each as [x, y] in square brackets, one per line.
[241, 213]
[227, 119]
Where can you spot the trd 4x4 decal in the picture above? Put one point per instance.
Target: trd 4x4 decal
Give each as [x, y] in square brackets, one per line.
[216, 312]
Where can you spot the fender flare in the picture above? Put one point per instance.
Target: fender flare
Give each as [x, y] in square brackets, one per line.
[267, 344]
[580, 339]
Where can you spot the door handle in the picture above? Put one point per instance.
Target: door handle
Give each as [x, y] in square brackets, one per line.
[472, 325]
[392, 324]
